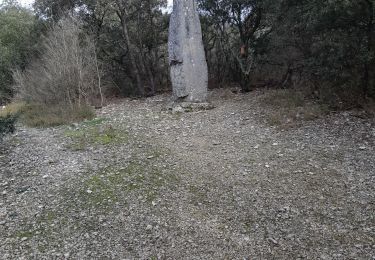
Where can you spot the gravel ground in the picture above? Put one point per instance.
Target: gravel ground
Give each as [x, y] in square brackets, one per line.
[141, 182]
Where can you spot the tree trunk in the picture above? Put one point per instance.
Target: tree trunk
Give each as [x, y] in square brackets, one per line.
[137, 75]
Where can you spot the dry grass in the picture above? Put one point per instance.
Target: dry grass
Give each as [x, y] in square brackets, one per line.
[283, 98]
[289, 108]
[43, 116]
[13, 109]
[40, 115]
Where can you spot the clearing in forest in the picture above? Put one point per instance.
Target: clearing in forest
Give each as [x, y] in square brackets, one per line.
[141, 182]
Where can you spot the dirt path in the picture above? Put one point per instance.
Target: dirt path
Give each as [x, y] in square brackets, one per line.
[143, 183]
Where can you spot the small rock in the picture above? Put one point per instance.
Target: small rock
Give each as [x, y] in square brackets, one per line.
[149, 227]
[22, 190]
[273, 241]
[89, 191]
[177, 109]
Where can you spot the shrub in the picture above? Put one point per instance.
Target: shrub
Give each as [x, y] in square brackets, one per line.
[67, 71]
[18, 30]
[15, 108]
[7, 124]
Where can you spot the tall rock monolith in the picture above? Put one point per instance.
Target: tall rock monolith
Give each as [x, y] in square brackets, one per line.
[188, 66]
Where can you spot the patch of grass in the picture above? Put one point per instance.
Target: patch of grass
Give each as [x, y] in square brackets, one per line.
[41, 115]
[37, 115]
[98, 191]
[25, 234]
[14, 108]
[111, 185]
[91, 134]
[288, 108]
[283, 98]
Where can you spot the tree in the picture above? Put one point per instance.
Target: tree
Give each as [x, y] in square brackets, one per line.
[17, 38]
[131, 38]
[67, 71]
[336, 39]
[237, 25]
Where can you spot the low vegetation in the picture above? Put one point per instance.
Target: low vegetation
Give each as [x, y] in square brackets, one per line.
[92, 133]
[323, 47]
[289, 107]
[7, 125]
[68, 76]
[38, 115]
[8, 118]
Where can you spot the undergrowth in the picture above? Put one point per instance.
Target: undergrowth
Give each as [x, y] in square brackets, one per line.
[289, 107]
[7, 125]
[41, 115]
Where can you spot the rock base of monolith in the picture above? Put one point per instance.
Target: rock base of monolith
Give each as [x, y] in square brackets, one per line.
[186, 107]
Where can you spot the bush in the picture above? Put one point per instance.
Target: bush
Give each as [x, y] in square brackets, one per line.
[17, 35]
[67, 73]
[7, 125]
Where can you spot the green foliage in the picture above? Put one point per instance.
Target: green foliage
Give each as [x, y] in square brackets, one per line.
[137, 60]
[335, 40]
[17, 40]
[231, 33]
[62, 75]
[93, 133]
[325, 47]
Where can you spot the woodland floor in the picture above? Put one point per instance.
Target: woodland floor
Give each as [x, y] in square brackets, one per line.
[141, 182]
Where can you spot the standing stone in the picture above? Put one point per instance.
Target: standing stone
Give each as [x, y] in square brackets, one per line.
[186, 53]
